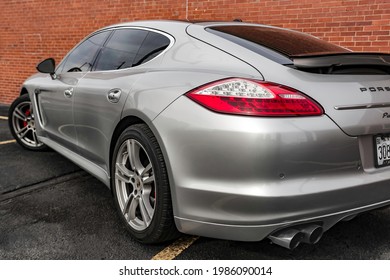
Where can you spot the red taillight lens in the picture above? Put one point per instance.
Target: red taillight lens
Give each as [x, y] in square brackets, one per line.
[254, 98]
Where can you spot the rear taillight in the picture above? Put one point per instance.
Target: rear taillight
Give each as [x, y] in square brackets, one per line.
[254, 98]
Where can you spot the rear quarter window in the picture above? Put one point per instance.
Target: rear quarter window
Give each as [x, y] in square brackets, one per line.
[151, 47]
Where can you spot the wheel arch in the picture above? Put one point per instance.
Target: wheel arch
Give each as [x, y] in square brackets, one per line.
[132, 120]
[23, 91]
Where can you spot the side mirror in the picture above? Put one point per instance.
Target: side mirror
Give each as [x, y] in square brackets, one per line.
[48, 66]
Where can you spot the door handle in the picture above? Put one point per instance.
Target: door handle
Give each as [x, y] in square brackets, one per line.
[114, 95]
[68, 92]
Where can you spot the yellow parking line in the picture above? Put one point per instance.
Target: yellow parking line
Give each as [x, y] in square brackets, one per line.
[7, 142]
[3, 118]
[176, 248]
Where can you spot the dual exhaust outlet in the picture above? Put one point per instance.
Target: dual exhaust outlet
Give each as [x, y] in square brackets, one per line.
[290, 238]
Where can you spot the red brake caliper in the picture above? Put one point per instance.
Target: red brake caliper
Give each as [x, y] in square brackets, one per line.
[27, 113]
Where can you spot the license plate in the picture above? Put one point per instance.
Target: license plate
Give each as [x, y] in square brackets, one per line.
[382, 150]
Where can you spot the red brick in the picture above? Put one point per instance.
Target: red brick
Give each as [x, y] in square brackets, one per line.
[46, 30]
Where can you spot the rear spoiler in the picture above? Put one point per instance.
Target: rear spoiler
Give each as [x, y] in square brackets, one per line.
[333, 63]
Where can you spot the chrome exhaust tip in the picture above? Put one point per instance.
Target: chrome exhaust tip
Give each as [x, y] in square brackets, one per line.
[288, 238]
[312, 233]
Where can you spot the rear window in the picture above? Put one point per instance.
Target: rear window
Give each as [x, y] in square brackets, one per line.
[287, 42]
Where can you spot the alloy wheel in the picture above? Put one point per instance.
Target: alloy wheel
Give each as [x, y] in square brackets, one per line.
[135, 184]
[23, 124]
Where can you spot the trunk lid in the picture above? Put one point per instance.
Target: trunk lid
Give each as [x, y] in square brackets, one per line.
[358, 104]
[353, 88]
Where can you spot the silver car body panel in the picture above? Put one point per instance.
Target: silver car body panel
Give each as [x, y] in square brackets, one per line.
[256, 169]
[234, 177]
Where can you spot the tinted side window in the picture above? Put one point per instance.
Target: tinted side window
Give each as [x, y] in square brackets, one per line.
[152, 46]
[81, 58]
[121, 49]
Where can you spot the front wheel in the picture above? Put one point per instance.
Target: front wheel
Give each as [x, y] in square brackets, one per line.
[140, 186]
[22, 124]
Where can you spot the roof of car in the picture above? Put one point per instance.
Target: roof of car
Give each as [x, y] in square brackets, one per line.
[166, 23]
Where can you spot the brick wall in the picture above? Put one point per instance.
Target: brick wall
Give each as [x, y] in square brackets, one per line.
[31, 30]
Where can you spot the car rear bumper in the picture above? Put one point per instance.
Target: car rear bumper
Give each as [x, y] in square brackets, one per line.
[242, 178]
[259, 232]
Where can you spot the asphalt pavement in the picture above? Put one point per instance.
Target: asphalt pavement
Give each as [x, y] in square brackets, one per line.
[5, 134]
[50, 209]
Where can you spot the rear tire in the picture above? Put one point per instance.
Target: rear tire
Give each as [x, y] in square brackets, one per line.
[140, 186]
[22, 124]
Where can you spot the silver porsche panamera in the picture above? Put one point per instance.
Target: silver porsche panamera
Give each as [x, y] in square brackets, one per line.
[221, 129]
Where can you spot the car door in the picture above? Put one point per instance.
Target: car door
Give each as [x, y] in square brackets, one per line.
[55, 97]
[101, 94]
